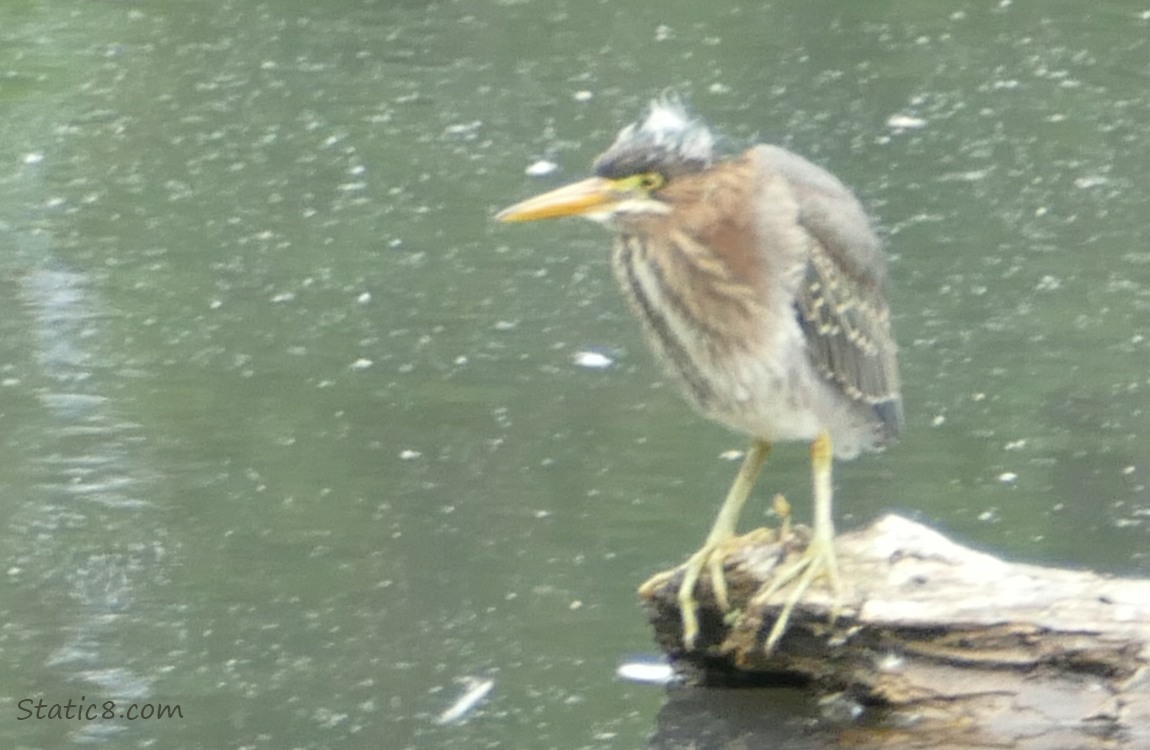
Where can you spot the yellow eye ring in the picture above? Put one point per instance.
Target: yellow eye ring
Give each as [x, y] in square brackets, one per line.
[651, 181]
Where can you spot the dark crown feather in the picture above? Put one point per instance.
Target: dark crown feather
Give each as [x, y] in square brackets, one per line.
[668, 140]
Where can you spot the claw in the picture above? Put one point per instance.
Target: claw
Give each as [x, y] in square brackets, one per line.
[816, 562]
[783, 510]
[648, 588]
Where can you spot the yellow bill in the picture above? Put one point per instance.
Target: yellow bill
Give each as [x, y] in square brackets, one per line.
[583, 197]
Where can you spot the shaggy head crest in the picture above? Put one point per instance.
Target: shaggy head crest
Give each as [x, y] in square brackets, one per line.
[668, 141]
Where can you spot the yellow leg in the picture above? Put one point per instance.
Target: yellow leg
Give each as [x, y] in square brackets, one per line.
[710, 554]
[819, 558]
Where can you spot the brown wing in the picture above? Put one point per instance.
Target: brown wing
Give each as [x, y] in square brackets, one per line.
[849, 338]
[842, 302]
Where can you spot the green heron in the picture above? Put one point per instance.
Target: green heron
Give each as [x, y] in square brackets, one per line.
[762, 288]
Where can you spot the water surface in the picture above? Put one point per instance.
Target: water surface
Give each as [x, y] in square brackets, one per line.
[295, 437]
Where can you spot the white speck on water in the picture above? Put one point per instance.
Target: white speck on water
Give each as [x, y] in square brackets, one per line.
[215, 304]
[583, 95]
[506, 325]
[1048, 283]
[732, 455]
[575, 604]
[407, 454]
[363, 298]
[476, 689]
[593, 360]
[1127, 470]
[990, 515]
[361, 364]
[978, 397]
[541, 168]
[460, 360]
[905, 122]
[1008, 477]
[719, 88]
[33, 157]
[938, 421]
[646, 672]
[283, 297]
[1015, 445]
[463, 128]
[1089, 181]
[973, 175]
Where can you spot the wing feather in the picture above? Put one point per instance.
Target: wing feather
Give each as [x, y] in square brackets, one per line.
[842, 304]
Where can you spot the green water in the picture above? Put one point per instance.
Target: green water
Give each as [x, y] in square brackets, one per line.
[293, 436]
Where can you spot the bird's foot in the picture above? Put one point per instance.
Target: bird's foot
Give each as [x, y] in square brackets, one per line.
[816, 561]
[710, 559]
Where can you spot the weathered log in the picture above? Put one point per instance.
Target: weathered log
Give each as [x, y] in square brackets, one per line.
[934, 644]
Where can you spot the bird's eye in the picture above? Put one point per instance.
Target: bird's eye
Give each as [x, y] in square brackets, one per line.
[651, 181]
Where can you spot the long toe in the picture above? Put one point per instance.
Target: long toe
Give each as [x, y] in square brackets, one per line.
[817, 561]
[688, 604]
[707, 560]
[648, 588]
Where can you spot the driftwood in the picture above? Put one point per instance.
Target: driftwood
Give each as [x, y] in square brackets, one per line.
[934, 644]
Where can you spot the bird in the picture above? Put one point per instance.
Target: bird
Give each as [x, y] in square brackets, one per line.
[763, 289]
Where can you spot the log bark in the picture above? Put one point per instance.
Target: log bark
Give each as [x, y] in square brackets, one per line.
[934, 644]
